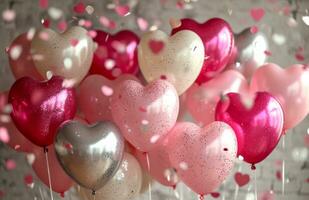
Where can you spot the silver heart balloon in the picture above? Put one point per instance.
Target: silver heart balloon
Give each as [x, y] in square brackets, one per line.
[90, 155]
[251, 49]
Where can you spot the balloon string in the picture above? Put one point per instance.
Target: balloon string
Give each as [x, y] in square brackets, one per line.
[236, 186]
[93, 194]
[48, 173]
[255, 186]
[41, 193]
[283, 167]
[149, 184]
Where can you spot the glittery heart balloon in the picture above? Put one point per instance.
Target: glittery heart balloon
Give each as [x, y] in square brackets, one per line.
[250, 51]
[38, 108]
[218, 40]
[203, 157]
[290, 86]
[116, 54]
[90, 155]
[95, 94]
[125, 184]
[20, 59]
[258, 128]
[145, 114]
[202, 100]
[178, 58]
[68, 54]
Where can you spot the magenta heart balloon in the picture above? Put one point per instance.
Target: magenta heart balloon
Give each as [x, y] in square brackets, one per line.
[116, 54]
[202, 157]
[145, 114]
[290, 86]
[258, 128]
[218, 39]
[38, 108]
[95, 95]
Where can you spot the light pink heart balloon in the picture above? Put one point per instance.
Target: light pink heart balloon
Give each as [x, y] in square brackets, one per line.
[202, 100]
[203, 157]
[290, 86]
[95, 96]
[145, 114]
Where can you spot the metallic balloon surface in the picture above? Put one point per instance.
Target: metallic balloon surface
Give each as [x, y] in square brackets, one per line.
[203, 157]
[258, 127]
[218, 40]
[116, 54]
[290, 86]
[68, 54]
[39, 108]
[178, 58]
[250, 48]
[22, 64]
[125, 184]
[90, 155]
[145, 114]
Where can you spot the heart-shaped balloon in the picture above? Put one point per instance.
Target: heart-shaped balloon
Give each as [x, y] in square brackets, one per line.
[95, 94]
[116, 54]
[290, 86]
[90, 155]
[250, 51]
[218, 40]
[145, 114]
[178, 58]
[39, 108]
[20, 58]
[68, 54]
[258, 127]
[203, 157]
[202, 100]
[125, 184]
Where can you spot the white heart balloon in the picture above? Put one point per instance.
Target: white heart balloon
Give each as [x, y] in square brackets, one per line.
[178, 58]
[68, 54]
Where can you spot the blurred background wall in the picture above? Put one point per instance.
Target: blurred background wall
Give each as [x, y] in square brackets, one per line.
[288, 35]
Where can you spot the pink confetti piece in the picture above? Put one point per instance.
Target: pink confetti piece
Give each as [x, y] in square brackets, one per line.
[85, 23]
[74, 42]
[215, 194]
[68, 146]
[79, 8]
[180, 5]
[287, 10]
[156, 46]
[104, 21]
[43, 4]
[28, 179]
[142, 24]
[4, 135]
[107, 91]
[257, 13]
[62, 26]
[254, 29]
[163, 77]
[122, 10]
[299, 56]
[43, 35]
[279, 175]
[267, 53]
[10, 164]
[8, 15]
[92, 33]
[45, 23]
[306, 140]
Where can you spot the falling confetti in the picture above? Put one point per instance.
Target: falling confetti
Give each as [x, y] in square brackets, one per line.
[43, 4]
[254, 29]
[257, 14]
[79, 8]
[122, 10]
[28, 179]
[8, 15]
[62, 26]
[4, 135]
[142, 24]
[10, 164]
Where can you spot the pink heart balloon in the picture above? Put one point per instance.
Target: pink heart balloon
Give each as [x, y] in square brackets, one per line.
[203, 157]
[290, 86]
[38, 108]
[95, 94]
[116, 54]
[60, 181]
[16, 141]
[145, 114]
[202, 100]
[20, 58]
[218, 39]
[160, 167]
[258, 128]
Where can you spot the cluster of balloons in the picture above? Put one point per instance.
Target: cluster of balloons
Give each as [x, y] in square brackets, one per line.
[107, 128]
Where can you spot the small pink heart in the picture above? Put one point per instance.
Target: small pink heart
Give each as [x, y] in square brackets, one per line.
[156, 46]
[122, 10]
[241, 179]
[257, 13]
[79, 8]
